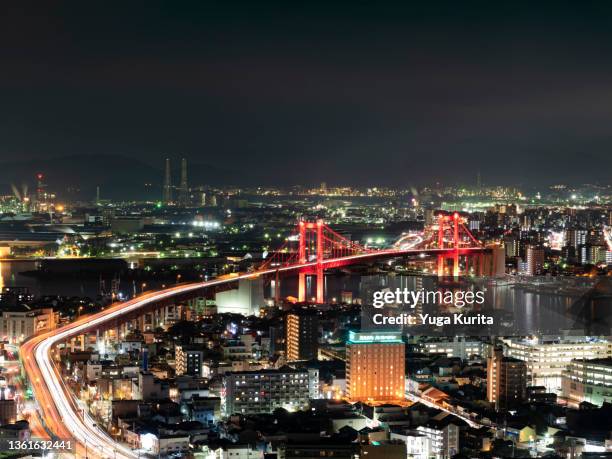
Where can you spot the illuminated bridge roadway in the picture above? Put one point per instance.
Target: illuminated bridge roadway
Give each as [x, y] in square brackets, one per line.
[59, 409]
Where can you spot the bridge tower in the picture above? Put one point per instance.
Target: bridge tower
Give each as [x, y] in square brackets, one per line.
[450, 226]
[440, 244]
[308, 231]
[302, 260]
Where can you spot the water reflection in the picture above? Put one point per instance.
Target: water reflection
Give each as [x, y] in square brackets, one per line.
[535, 305]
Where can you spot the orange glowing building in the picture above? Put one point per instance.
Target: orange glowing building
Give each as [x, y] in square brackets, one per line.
[375, 366]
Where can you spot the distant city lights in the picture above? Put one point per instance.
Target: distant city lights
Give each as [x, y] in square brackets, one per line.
[207, 224]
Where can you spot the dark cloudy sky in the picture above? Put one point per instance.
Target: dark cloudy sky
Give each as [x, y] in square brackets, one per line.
[362, 92]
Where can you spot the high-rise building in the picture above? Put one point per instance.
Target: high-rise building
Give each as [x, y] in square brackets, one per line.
[576, 237]
[375, 366]
[302, 330]
[506, 380]
[511, 245]
[167, 191]
[184, 187]
[535, 260]
[592, 254]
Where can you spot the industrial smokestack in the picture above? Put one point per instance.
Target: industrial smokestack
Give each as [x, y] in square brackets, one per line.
[167, 191]
[184, 188]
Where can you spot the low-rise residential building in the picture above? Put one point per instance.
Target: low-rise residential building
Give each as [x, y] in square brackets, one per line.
[443, 435]
[20, 322]
[263, 391]
[164, 445]
[148, 387]
[189, 360]
[418, 445]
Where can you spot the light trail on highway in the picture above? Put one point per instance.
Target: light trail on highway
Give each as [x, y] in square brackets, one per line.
[58, 407]
[408, 241]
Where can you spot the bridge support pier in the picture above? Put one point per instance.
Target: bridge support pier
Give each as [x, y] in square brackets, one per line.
[320, 285]
[456, 244]
[456, 264]
[301, 287]
[441, 265]
[320, 272]
[277, 289]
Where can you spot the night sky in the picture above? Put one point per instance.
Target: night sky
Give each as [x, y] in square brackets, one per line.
[354, 92]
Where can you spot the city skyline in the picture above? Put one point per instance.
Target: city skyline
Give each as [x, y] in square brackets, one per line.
[170, 183]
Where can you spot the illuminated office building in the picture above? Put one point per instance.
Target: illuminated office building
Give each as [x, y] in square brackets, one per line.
[535, 260]
[456, 346]
[547, 359]
[588, 381]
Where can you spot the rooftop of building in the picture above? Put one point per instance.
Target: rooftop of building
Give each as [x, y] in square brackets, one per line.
[374, 337]
[267, 371]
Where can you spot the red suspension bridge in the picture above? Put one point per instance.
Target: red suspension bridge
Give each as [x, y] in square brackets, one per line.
[315, 247]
